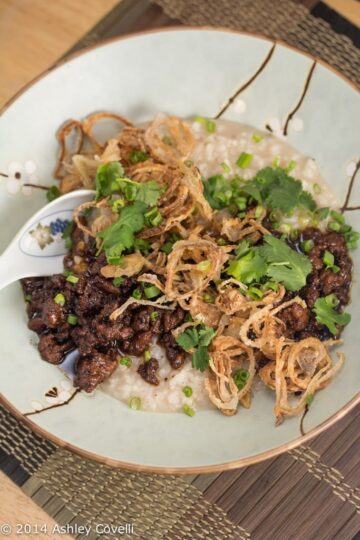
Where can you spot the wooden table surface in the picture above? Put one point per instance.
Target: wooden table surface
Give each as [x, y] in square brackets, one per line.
[33, 35]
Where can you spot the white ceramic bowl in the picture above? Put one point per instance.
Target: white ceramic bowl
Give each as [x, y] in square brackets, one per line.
[184, 72]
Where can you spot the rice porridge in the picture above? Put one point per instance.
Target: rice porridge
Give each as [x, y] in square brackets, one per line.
[215, 153]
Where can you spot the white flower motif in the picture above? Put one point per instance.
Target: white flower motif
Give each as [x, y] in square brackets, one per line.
[239, 106]
[351, 168]
[276, 128]
[42, 235]
[19, 174]
[62, 396]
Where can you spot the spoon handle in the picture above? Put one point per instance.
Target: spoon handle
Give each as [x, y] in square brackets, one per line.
[15, 265]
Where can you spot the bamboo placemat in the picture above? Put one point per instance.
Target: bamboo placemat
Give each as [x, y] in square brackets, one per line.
[309, 493]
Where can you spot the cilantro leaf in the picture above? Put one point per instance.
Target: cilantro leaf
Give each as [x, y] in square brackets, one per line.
[132, 216]
[284, 197]
[189, 339]
[217, 191]
[276, 189]
[206, 334]
[107, 177]
[200, 358]
[306, 200]
[326, 314]
[250, 267]
[285, 265]
[197, 339]
[120, 235]
[148, 192]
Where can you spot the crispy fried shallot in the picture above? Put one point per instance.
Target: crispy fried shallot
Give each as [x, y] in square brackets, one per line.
[191, 266]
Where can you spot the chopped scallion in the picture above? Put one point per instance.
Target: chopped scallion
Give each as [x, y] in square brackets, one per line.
[240, 378]
[291, 166]
[72, 319]
[153, 217]
[258, 211]
[147, 356]
[334, 226]
[317, 189]
[226, 168]
[135, 403]
[137, 294]
[329, 259]
[332, 300]
[154, 315]
[209, 125]
[255, 293]
[276, 161]
[151, 291]
[188, 410]
[118, 281]
[187, 391]
[208, 298]
[244, 160]
[339, 218]
[72, 279]
[138, 156]
[59, 299]
[307, 245]
[125, 360]
[256, 137]
[204, 266]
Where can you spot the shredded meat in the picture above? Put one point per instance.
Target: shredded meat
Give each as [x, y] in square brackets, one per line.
[92, 299]
[175, 354]
[148, 371]
[93, 370]
[300, 323]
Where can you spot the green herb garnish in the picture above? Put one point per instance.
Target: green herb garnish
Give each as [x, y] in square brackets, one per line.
[135, 403]
[240, 378]
[326, 314]
[120, 235]
[274, 259]
[244, 160]
[52, 193]
[124, 360]
[209, 125]
[196, 340]
[138, 156]
[60, 299]
[329, 260]
[151, 291]
[72, 319]
[188, 410]
[187, 391]
[72, 279]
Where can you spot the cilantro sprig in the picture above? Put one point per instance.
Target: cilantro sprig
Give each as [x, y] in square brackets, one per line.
[271, 187]
[274, 259]
[120, 235]
[110, 179]
[274, 188]
[197, 340]
[327, 315]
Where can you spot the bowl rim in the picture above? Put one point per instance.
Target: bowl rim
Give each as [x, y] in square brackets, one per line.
[219, 467]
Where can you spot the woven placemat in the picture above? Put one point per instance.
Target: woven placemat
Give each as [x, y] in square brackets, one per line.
[309, 493]
[280, 19]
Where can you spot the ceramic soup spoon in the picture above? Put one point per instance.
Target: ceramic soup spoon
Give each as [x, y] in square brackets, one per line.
[39, 247]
